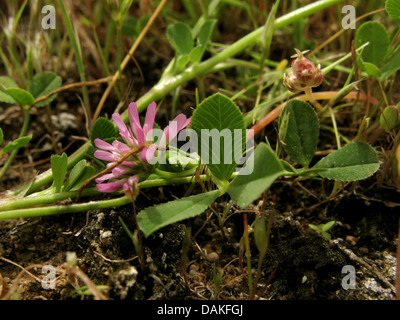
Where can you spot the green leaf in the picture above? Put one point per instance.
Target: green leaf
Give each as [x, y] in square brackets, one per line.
[87, 173]
[1, 136]
[391, 66]
[124, 8]
[103, 129]
[195, 54]
[20, 96]
[42, 84]
[393, 9]
[59, 169]
[180, 37]
[326, 234]
[246, 188]
[74, 175]
[16, 144]
[389, 117]
[377, 36]
[5, 83]
[371, 69]
[221, 134]
[203, 39]
[302, 131]
[327, 226]
[260, 233]
[130, 26]
[314, 227]
[153, 218]
[206, 32]
[355, 161]
[181, 62]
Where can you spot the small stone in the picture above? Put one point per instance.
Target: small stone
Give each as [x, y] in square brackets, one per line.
[105, 234]
[352, 240]
[194, 267]
[212, 257]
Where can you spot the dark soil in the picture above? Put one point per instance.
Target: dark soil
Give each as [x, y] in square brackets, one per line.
[300, 263]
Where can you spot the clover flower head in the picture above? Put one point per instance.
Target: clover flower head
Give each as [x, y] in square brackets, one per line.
[136, 167]
[303, 73]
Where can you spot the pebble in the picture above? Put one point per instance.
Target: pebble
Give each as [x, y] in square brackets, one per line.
[194, 267]
[352, 240]
[212, 257]
[105, 234]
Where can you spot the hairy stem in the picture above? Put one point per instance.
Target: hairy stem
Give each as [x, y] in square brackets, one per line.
[310, 97]
[12, 208]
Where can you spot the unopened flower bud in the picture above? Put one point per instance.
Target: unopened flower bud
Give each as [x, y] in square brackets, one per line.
[302, 74]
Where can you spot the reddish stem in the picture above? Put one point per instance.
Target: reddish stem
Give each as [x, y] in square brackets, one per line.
[326, 95]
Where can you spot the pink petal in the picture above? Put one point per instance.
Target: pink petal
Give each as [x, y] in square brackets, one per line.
[150, 117]
[181, 121]
[128, 185]
[135, 123]
[103, 145]
[129, 163]
[121, 147]
[148, 153]
[119, 171]
[170, 132]
[164, 139]
[140, 137]
[105, 156]
[110, 187]
[123, 130]
[134, 117]
[134, 141]
[105, 177]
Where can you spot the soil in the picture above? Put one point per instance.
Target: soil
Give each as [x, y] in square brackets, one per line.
[300, 264]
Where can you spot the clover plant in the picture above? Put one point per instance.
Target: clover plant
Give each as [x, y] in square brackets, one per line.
[126, 154]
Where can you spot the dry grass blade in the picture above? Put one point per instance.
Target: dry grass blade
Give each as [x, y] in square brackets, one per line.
[73, 85]
[108, 169]
[337, 34]
[127, 59]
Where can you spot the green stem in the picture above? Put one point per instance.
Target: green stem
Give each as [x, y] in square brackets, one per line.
[168, 83]
[52, 210]
[15, 207]
[337, 136]
[37, 199]
[335, 129]
[79, 60]
[172, 175]
[309, 94]
[22, 133]
[119, 55]
[248, 255]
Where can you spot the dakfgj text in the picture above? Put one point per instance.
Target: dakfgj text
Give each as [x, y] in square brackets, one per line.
[205, 309]
[233, 309]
